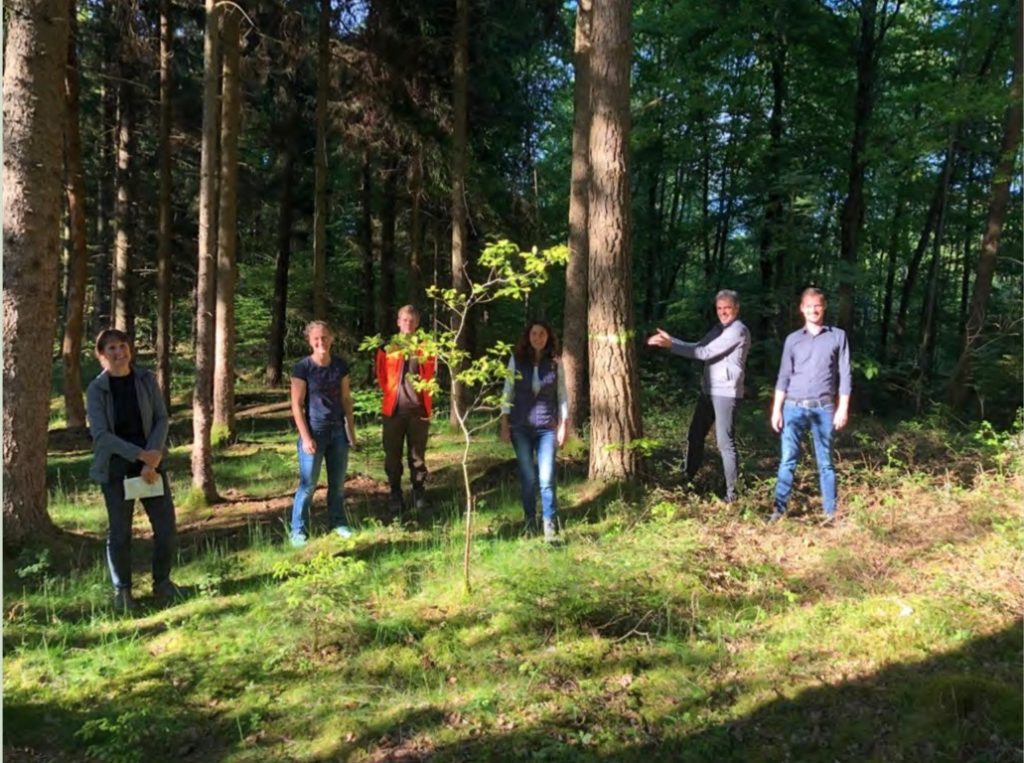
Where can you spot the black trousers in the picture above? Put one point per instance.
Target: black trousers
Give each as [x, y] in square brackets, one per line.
[406, 431]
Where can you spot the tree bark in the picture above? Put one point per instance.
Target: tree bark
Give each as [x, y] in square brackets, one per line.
[163, 241]
[33, 118]
[206, 271]
[614, 384]
[278, 315]
[227, 228]
[416, 230]
[366, 244]
[124, 233]
[574, 335]
[78, 256]
[387, 247]
[1000, 199]
[460, 228]
[101, 315]
[320, 167]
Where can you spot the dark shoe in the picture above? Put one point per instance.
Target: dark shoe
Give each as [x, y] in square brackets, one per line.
[167, 591]
[419, 500]
[530, 529]
[775, 516]
[396, 503]
[124, 602]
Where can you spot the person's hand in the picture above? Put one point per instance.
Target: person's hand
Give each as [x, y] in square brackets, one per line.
[151, 458]
[777, 421]
[149, 475]
[309, 446]
[506, 431]
[840, 418]
[660, 339]
[563, 432]
[354, 443]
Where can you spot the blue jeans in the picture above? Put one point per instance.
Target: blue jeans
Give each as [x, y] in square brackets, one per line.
[159, 509]
[796, 421]
[332, 449]
[528, 442]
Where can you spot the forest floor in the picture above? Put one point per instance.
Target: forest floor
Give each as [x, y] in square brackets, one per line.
[668, 625]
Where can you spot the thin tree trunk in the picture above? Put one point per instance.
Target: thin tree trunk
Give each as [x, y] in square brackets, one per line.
[614, 384]
[123, 219]
[366, 241]
[101, 316]
[278, 315]
[78, 256]
[320, 166]
[416, 230]
[33, 118]
[163, 245]
[1000, 199]
[574, 335]
[895, 247]
[460, 231]
[770, 247]
[206, 271]
[227, 229]
[387, 248]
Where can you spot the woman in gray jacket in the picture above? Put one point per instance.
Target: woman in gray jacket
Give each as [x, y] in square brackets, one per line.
[724, 352]
[128, 423]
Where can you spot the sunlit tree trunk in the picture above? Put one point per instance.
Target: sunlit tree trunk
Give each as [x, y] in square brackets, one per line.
[34, 104]
[460, 231]
[574, 347]
[206, 270]
[163, 241]
[614, 384]
[231, 107]
[78, 256]
[124, 224]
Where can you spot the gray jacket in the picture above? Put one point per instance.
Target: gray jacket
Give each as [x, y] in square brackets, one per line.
[724, 352]
[99, 406]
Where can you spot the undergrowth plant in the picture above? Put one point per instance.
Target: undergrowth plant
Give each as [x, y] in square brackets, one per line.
[510, 274]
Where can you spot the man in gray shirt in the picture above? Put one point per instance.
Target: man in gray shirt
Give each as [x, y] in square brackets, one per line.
[724, 352]
[814, 371]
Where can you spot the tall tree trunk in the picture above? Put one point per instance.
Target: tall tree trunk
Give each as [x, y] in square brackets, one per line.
[227, 228]
[33, 118]
[320, 166]
[124, 233]
[387, 247]
[770, 247]
[574, 334]
[163, 241]
[101, 315]
[366, 245]
[206, 270]
[1000, 199]
[614, 384]
[874, 22]
[895, 248]
[278, 314]
[78, 256]
[460, 228]
[934, 214]
[416, 230]
[968, 239]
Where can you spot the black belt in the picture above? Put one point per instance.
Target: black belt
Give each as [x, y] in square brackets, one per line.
[811, 402]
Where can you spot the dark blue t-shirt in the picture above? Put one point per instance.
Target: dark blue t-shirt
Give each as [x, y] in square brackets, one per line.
[323, 392]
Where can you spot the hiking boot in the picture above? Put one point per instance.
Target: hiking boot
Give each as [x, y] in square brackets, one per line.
[396, 503]
[167, 591]
[124, 602]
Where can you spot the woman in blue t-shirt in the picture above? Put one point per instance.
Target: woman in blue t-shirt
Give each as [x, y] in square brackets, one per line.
[534, 414]
[322, 409]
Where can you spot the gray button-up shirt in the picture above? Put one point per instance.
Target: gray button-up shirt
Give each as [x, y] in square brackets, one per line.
[815, 366]
[724, 352]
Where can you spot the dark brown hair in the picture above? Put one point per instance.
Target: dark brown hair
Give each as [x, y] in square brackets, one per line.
[104, 337]
[524, 352]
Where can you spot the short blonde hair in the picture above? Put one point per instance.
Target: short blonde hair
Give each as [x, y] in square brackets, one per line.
[409, 310]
